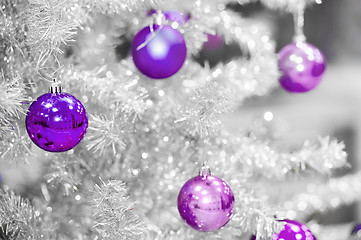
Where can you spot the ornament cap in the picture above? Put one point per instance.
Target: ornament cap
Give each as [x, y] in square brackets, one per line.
[299, 38]
[55, 87]
[205, 171]
[159, 18]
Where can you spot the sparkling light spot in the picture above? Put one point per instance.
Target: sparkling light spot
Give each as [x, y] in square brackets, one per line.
[161, 93]
[295, 228]
[175, 25]
[268, 116]
[298, 236]
[69, 100]
[300, 68]
[158, 48]
[206, 200]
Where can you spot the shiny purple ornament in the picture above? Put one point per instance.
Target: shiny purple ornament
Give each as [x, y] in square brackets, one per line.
[356, 232]
[302, 66]
[206, 203]
[294, 231]
[159, 51]
[56, 122]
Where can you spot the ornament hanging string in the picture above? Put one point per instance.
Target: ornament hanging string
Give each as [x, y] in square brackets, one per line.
[299, 22]
[159, 19]
[205, 169]
[55, 85]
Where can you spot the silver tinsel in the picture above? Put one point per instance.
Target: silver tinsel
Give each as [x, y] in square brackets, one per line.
[19, 220]
[114, 214]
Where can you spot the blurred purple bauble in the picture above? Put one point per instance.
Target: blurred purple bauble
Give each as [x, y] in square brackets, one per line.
[206, 203]
[356, 230]
[294, 231]
[302, 66]
[214, 42]
[56, 122]
[159, 54]
[176, 16]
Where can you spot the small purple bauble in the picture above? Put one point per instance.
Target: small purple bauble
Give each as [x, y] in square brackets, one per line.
[159, 54]
[214, 42]
[56, 122]
[206, 203]
[302, 66]
[176, 16]
[294, 231]
[356, 231]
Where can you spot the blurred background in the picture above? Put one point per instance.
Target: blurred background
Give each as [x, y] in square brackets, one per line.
[333, 108]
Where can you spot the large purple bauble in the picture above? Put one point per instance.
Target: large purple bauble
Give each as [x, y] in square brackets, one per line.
[302, 66]
[159, 54]
[56, 122]
[206, 203]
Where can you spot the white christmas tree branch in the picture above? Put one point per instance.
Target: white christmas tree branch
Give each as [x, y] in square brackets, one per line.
[114, 214]
[15, 145]
[119, 92]
[19, 220]
[335, 193]
[322, 157]
[108, 134]
[12, 97]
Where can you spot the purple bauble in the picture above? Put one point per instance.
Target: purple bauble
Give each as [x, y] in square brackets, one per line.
[302, 66]
[56, 122]
[176, 16]
[159, 54]
[294, 231]
[206, 203]
[214, 42]
[356, 231]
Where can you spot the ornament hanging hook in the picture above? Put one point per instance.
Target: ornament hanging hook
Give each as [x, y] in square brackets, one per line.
[299, 22]
[55, 86]
[159, 18]
[45, 75]
[205, 169]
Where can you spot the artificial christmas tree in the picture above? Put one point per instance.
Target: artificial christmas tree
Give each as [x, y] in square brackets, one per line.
[146, 138]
